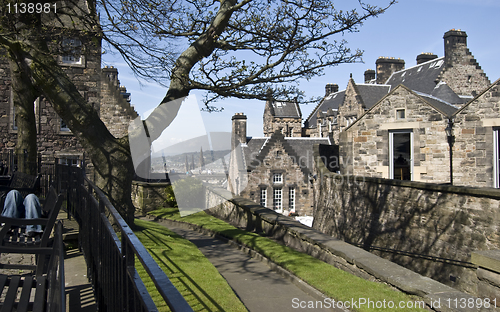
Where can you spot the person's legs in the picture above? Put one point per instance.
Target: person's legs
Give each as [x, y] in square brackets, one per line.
[33, 210]
[13, 206]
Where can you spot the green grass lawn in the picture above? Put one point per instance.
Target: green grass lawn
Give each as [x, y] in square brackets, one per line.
[332, 282]
[191, 273]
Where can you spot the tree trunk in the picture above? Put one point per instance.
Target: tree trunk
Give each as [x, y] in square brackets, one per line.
[110, 156]
[24, 95]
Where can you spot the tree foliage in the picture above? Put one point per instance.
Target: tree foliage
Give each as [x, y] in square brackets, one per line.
[264, 45]
[229, 48]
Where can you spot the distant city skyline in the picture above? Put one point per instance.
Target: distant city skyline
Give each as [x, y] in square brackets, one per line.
[404, 31]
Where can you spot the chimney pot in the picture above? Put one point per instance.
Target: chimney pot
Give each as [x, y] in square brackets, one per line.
[386, 66]
[369, 75]
[425, 57]
[331, 88]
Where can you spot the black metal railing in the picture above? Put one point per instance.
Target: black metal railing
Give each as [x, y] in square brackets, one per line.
[110, 249]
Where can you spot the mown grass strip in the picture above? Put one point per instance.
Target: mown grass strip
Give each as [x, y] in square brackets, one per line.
[333, 282]
[192, 274]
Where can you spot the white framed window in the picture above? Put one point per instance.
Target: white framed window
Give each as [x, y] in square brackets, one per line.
[263, 197]
[400, 113]
[401, 155]
[278, 199]
[291, 199]
[70, 160]
[277, 178]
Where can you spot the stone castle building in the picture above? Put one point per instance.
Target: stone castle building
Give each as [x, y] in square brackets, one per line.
[391, 126]
[276, 170]
[100, 87]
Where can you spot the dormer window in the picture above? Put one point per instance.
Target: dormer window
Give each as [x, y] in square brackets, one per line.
[277, 178]
[400, 114]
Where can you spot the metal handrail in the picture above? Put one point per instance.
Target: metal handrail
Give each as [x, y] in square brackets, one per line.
[110, 248]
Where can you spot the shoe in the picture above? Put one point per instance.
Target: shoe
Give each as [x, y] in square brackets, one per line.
[33, 233]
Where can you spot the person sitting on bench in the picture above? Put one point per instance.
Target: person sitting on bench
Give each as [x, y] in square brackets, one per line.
[29, 208]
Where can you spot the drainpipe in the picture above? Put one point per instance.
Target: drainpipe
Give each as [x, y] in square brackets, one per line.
[451, 140]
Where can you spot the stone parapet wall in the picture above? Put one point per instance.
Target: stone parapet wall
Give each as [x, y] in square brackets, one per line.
[428, 228]
[116, 111]
[148, 196]
[488, 273]
[253, 217]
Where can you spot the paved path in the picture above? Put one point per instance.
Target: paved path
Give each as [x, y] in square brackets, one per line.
[259, 288]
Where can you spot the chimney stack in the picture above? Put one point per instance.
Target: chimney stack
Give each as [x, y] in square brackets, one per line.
[239, 132]
[331, 88]
[454, 40]
[386, 66]
[425, 57]
[369, 75]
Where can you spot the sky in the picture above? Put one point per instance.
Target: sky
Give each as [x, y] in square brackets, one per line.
[407, 29]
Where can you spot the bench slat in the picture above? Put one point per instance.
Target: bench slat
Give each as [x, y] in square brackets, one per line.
[11, 296]
[40, 295]
[24, 300]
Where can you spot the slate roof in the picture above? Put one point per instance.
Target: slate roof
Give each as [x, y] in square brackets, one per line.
[421, 78]
[302, 148]
[371, 93]
[332, 101]
[444, 92]
[286, 109]
[442, 106]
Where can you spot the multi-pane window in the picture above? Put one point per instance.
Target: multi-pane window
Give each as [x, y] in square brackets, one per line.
[291, 199]
[277, 200]
[263, 197]
[72, 49]
[277, 178]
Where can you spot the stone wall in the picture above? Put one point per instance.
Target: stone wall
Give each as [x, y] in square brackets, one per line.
[148, 196]
[433, 228]
[474, 150]
[6, 137]
[352, 107]
[364, 147]
[252, 217]
[462, 72]
[115, 111]
[53, 140]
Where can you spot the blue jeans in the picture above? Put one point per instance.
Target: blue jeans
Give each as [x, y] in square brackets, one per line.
[29, 208]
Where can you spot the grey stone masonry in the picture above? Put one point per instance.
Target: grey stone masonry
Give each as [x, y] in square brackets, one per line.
[426, 227]
[364, 146]
[476, 136]
[462, 72]
[116, 111]
[251, 216]
[488, 272]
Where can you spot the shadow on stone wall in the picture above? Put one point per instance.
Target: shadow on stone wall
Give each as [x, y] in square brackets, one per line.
[428, 228]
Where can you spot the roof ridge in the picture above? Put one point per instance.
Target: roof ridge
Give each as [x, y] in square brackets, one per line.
[414, 66]
[434, 98]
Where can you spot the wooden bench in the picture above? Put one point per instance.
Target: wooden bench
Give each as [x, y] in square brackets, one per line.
[24, 183]
[42, 291]
[12, 233]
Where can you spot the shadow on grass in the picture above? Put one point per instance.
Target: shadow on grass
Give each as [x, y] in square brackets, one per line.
[188, 270]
